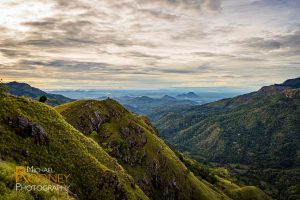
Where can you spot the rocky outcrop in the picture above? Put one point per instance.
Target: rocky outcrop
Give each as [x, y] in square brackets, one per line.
[91, 122]
[292, 93]
[134, 135]
[25, 128]
[133, 141]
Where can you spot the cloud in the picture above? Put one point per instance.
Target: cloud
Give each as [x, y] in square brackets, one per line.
[12, 53]
[75, 66]
[287, 44]
[158, 14]
[149, 43]
[261, 43]
[144, 55]
[196, 5]
[285, 3]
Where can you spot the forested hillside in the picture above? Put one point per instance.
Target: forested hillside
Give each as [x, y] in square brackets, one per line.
[259, 131]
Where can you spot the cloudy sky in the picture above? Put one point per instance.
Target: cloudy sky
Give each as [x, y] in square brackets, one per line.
[149, 43]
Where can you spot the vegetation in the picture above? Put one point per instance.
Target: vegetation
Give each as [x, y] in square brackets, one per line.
[43, 99]
[135, 143]
[259, 130]
[222, 180]
[34, 134]
[8, 192]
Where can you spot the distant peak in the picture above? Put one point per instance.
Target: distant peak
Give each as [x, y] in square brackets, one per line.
[17, 83]
[188, 95]
[144, 98]
[294, 83]
[168, 97]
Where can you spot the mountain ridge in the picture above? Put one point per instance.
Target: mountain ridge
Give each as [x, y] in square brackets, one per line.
[134, 142]
[145, 105]
[24, 89]
[189, 95]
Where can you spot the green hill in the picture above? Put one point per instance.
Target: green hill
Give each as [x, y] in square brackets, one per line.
[135, 143]
[258, 131]
[34, 134]
[23, 89]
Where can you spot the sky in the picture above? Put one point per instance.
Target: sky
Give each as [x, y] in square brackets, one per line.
[149, 44]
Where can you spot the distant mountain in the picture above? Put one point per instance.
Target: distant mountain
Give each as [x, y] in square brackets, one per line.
[23, 89]
[168, 98]
[293, 83]
[102, 97]
[189, 95]
[256, 134]
[142, 99]
[145, 105]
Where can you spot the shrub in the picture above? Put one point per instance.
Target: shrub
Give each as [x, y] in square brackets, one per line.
[43, 99]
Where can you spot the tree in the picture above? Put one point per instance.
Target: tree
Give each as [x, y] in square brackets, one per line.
[43, 99]
[3, 88]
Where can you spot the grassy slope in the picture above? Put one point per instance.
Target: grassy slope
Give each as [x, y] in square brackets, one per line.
[94, 174]
[154, 166]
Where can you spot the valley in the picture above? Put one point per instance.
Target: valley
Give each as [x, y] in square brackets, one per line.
[255, 135]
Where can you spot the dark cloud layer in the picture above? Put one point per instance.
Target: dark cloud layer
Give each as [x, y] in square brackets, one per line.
[289, 43]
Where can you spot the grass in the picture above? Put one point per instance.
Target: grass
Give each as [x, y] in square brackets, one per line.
[68, 151]
[169, 168]
[8, 192]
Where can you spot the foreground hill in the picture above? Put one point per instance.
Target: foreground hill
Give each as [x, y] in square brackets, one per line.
[158, 171]
[23, 89]
[259, 131]
[8, 192]
[134, 142]
[34, 134]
